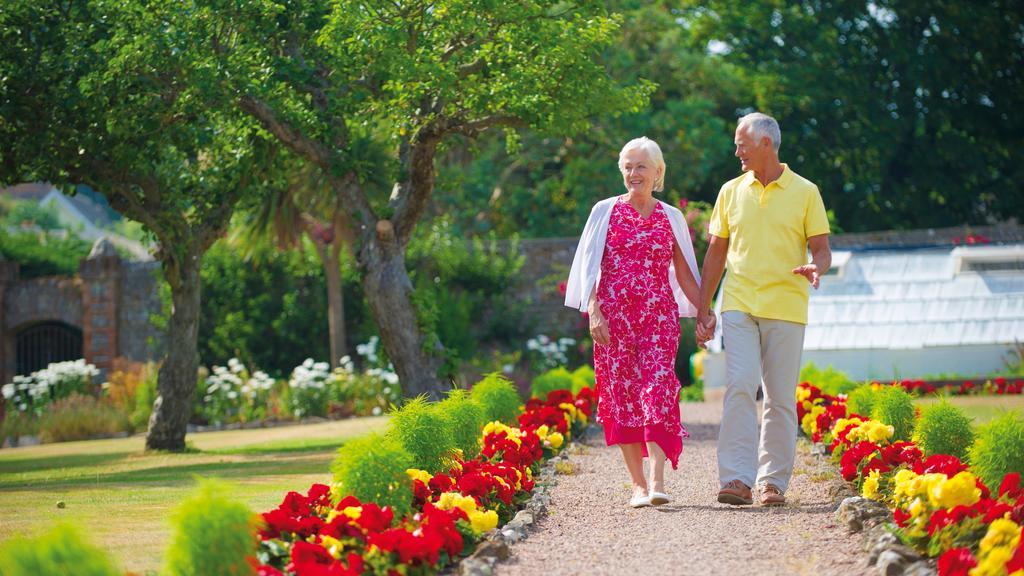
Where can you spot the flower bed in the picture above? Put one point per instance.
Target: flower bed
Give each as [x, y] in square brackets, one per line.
[328, 530]
[940, 505]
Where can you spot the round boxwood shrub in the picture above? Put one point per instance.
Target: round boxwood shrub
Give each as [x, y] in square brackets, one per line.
[583, 377]
[62, 550]
[861, 400]
[498, 397]
[998, 449]
[212, 534]
[944, 429]
[465, 418]
[372, 469]
[557, 379]
[893, 406]
[424, 434]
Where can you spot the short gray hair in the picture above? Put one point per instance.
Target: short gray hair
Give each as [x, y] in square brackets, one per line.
[653, 152]
[762, 125]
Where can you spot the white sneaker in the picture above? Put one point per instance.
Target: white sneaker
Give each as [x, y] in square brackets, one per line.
[640, 501]
[659, 498]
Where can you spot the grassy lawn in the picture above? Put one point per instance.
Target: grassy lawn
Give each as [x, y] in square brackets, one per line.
[122, 497]
[981, 408]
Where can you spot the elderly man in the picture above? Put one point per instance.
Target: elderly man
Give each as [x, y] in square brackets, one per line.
[761, 226]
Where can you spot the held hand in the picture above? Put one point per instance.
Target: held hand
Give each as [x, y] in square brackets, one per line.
[599, 328]
[809, 271]
[705, 330]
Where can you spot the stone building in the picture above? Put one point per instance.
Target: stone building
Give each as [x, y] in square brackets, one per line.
[101, 314]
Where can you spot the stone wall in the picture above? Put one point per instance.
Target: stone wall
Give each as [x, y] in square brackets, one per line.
[110, 301]
[546, 267]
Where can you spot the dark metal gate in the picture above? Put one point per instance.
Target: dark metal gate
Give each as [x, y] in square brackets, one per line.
[46, 342]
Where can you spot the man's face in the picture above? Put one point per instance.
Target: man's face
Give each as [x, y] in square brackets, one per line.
[752, 153]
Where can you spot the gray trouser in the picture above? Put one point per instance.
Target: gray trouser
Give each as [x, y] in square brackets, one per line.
[759, 349]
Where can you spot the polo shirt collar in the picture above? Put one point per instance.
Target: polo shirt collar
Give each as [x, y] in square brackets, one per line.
[783, 181]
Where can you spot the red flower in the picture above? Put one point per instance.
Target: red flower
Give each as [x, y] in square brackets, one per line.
[1010, 486]
[373, 518]
[851, 459]
[265, 570]
[306, 557]
[556, 397]
[902, 454]
[1016, 562]
[319, 495]
[957, 562]
[940, 463]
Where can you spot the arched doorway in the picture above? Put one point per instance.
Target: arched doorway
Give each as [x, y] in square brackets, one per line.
[38, 345]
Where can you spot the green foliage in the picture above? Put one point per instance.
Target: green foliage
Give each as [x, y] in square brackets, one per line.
[692, 393]
[43, 254]
[583, 377]
[556, 379]
[270, 313]
[499, 398]
[30, 213]
[464, 418]
[62, 550]
[464, 289]
[17, 424]
[894, 406]
[830, 380]
[373, 468]
[998, 449]
[944, 429]
[861, 400]
[212, 535]
[145, 395]
[80, 417]
[423, 433]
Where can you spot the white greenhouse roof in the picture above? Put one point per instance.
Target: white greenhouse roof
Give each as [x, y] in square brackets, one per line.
[919, 299]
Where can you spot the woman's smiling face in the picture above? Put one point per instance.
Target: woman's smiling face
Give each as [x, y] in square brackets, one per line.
[638, 172]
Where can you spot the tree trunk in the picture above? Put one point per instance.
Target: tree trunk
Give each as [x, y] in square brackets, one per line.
[330, 259]
[389, 291]
[176, 380]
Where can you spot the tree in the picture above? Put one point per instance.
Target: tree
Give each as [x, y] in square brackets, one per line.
[86, 97]
[324, 76]
[907, 114]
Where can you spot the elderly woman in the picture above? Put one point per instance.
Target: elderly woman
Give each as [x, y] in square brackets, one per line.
[635, 274]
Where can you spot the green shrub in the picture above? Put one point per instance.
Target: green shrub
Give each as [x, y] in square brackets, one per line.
[212, 534]
[830, 380]
[145, 395]
[583, 377]
[556, 379]
[424, 434]
[944, 429]
[17, 424]
[62, 550]
[692, 393]
[373, 469]
[499, 398]
[79, 417]
[465, 418]
[861, 400]
[998, 449]
[895, 407]
[43, 254]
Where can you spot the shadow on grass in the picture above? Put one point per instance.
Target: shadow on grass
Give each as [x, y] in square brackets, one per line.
[284, 447]
[23, 465]
[177, 475]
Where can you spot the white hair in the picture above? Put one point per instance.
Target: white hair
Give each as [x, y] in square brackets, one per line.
[653, 152]
[762, 125]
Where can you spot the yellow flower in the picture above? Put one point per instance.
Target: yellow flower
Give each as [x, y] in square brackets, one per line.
[556, 440]
[1002, 532]
[483, 521]
[333, 546]
[353, 512]
[961, 489]
[542, 432]
[421, 475]
[993, 562]
[569, 409]
[870, 489]
[450, 500]
[879, 432]
[802, 394]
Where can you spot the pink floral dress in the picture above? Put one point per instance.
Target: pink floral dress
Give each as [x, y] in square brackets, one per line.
[638, 393]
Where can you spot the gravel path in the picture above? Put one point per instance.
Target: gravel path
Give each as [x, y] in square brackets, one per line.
[590, 530]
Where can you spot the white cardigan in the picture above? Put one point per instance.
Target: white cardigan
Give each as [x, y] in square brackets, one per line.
[586, 265]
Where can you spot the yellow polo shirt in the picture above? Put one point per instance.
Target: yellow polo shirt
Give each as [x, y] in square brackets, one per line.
[768, 228]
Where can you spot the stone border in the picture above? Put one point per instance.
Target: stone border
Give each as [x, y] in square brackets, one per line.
[873, 520]
[494, 547]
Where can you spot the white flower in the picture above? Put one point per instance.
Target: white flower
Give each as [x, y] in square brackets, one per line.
[507, 368]
[7, 391]
[376, 411]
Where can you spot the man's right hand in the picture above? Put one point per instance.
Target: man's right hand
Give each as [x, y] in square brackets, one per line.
[599, 327]
[705, 330]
